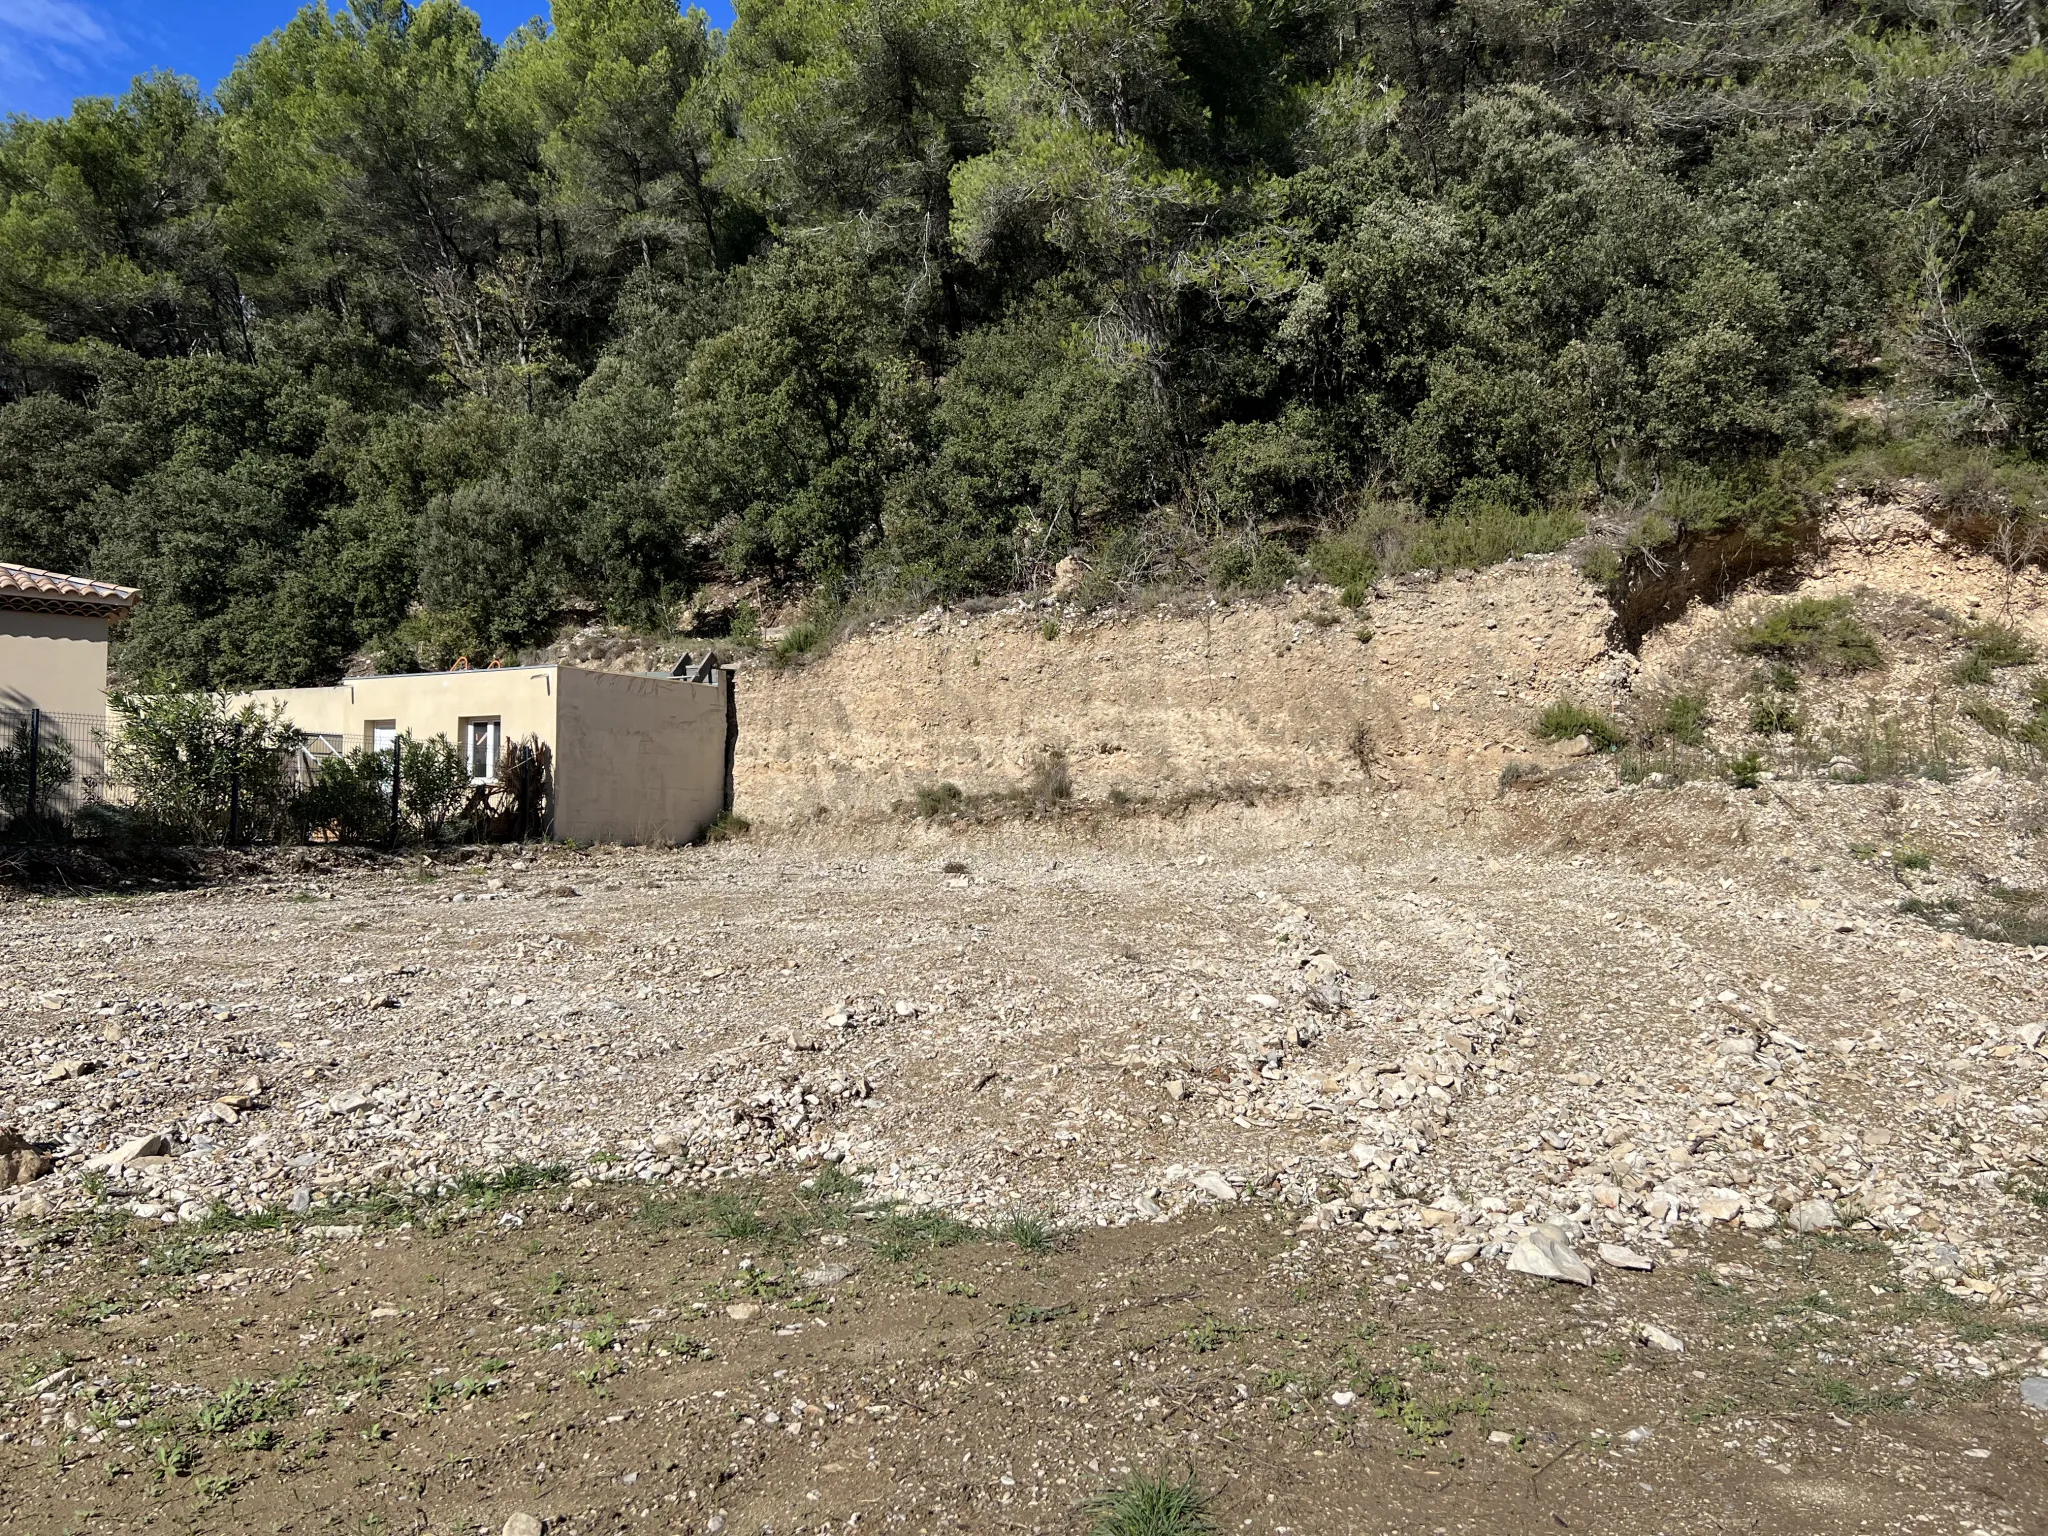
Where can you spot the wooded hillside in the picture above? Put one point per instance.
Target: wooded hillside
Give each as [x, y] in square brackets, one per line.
[410, 343]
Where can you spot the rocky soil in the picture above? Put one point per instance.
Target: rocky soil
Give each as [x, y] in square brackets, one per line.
[1434, 1043]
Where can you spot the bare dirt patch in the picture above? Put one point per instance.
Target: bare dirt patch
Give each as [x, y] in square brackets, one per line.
[767, 1357]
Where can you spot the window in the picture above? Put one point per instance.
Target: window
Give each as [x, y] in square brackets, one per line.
[480, 750]
[381, 734]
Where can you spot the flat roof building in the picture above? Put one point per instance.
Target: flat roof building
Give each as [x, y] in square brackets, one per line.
[636, 757]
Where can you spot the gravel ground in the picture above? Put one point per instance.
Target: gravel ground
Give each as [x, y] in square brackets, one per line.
[1407, 1038]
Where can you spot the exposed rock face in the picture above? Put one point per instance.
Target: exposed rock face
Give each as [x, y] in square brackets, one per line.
[1196, 698]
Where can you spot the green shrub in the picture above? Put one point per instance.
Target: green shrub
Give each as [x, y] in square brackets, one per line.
[939, 800]
[801, 639]
[1821, 633]
[1772, 714]
[727, 826]
[1912, 858]
[1564, 719]
[2034, 731]
[1348, 559]
[1250, 565]
[433, 789]
[1683, 718]
[54, 765]
[1746, 771]
[1989, 718]
[186, 757]
[1515, 771]
[1601, 564]
[1993, 648]
[1051, 780]
[348, 800]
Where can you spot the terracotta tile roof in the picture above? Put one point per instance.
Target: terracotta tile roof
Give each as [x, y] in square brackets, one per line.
[24, 585]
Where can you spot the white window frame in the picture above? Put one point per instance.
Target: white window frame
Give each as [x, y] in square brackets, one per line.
[486, 731]
[380, 735]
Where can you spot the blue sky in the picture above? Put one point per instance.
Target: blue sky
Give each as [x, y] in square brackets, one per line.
[53, 50]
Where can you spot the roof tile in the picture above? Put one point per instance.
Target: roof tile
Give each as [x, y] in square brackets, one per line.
[27, 581]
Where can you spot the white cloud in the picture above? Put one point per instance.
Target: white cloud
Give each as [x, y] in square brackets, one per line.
[44, 43]
[52, 21]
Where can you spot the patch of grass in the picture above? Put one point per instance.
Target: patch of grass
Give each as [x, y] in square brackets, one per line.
[1049, 630]
[175, 1460]
[833, 1184]
[1516, 771]
[1024, 1315]
[1151, 1506]
[900, 1235]
[1600, 564]
[1845, 1398]
[1821, 634]
[182, 1256]
[1912, 858]
[242, 1403]
[801, 639]
[1564, 719]
[729, 825]
[742, 1226]
[1999, 915]
[513, 1179]
[1051, 780]
[1746, 771]
[1033, 1234]
[1348, 560]
[1391, 1399]
[1681, 717]
[1988, 718]
[1250, 565]
[1489, 534]
[1209, 1334]
[1886, 746]
[935, 800]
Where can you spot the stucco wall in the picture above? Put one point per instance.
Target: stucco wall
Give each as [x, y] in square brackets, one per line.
[53, 661]
[638, 759]
[425, 704]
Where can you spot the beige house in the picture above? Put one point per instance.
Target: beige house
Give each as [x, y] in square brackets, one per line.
[638, 757]
[53, 643]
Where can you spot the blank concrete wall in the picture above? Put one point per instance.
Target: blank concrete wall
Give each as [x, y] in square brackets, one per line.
[638, 759]
[53, 661]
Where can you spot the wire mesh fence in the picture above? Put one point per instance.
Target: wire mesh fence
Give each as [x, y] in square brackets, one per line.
[52, 768]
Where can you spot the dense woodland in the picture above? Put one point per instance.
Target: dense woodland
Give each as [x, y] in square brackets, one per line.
[406, 344]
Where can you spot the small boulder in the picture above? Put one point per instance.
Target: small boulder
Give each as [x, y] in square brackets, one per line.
[20, 1162]
[1615, 1256]
[524, 1525]
[133, 1151]
[1814, 1216]
[1214, 1184]
[1657, 1338]
[1545, 1253]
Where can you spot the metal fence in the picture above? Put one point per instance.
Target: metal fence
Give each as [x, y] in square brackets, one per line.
[52, 767]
